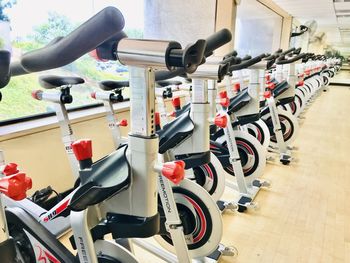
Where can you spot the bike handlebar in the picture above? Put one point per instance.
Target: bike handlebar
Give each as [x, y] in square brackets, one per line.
[217, 40]
[5, 57]
[247, 63]
[85, 38]
[230, 54]
[283, 60]
[297, 51]
[164, 74]
[287, 51]
[214, 41]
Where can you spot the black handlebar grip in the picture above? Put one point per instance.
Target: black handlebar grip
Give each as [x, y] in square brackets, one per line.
[164, 74]
[230, 60]
[217, 40]
[5, 58]
[297, 51]
[85, 38]
[282, 60]
[247, 63]
[278, 51]
[246, 57]
[230, 54]
[17, 69]
[106, 50]
[287, 51]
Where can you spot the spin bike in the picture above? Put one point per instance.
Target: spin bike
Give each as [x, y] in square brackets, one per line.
[282, 124]
[228, 140]
[170, 136]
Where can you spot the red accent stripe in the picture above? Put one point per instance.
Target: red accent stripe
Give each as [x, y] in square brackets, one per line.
[206, 166]
[44, 255]
[249, 150]
[202, 219]
[62, 207]
[51, 257]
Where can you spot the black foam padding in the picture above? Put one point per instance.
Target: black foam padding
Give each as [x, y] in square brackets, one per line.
[164, 74]
[5, 57]
[106, 50]
[246, 63]
[282, 60]
[165, 83]
[217, 40]
[85, 38]
[17, 69]
[287, 51]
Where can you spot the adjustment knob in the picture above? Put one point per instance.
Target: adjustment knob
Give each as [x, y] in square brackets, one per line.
[10, 169]
[237, 87]
[223, 94]
[176, 103]
[224, 102]
[267, 94]
[123, 123]
[220, 120]
[174, 171]
[15, 186]
[82, 149]
[270, 86]
[37, 94]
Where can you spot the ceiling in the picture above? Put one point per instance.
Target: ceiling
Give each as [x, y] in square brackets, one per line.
[332, 17]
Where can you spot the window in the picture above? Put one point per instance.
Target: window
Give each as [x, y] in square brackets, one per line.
[34, 23]
[258, 29]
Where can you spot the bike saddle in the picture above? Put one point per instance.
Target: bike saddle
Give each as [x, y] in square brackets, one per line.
[165, 83]
[51, 81]
[113, 84]
[175, 132]
[184, 109]
[107, 177]
[239, 101]
[280, 88]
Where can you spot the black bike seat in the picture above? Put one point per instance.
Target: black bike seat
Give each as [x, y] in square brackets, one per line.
[184, 109]
[51, 81]
[280, 88]
[175, 132]
[239, 101]
[113, 84]
[165, 83]
[107, 177]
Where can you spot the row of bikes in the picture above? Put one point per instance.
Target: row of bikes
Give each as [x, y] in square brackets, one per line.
[167, 178]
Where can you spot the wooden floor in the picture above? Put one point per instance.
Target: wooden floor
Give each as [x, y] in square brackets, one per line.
[305, 215]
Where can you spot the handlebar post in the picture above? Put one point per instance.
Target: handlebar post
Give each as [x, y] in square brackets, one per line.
[142, 107]
[292, 76]
[200, 91]
[228, 84]
[262, 82]
[4, 234]
[212, 94]
[285, 71]
[279, 73]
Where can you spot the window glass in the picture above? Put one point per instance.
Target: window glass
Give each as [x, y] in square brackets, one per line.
[34, 23]
[258, 29]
